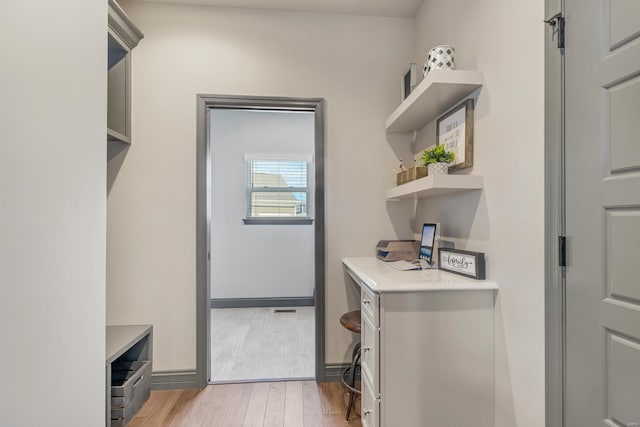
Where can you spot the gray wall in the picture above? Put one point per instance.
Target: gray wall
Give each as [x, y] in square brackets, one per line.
[256, 261]
[52, 212]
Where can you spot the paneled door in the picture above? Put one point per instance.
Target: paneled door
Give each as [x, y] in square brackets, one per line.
[602, 88]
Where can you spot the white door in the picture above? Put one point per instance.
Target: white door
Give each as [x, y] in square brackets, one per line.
[602, 213]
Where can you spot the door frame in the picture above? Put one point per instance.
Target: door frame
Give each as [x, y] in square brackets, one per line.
[554, 223]
[206, 102]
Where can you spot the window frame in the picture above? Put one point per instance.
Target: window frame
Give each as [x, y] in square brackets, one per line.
[283, 220]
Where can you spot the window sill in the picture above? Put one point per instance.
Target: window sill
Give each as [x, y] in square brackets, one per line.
[277, 221]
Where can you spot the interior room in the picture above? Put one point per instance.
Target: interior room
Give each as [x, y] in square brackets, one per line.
[107, 244]
[262, 263]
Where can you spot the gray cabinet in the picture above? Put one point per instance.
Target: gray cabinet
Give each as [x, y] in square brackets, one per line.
[129, 359]
[123, 36]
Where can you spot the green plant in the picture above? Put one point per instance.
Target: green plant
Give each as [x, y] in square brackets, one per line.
[438, 155]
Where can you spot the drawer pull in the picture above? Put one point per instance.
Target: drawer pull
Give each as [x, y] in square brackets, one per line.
[138, 381]
[367, 348]
[366, 412]
[366, 301]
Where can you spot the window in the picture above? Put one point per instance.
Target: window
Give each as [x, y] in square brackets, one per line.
[277, 189]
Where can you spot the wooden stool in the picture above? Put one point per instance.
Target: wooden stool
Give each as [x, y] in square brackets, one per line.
[352, 321]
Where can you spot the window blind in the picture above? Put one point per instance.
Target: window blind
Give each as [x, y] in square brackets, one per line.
[277, 188]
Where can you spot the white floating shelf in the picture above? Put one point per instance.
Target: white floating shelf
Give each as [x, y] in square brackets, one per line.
[434, 186]
[438, 92]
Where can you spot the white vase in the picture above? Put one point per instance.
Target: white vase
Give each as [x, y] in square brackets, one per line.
[438, 169]
[440, 58]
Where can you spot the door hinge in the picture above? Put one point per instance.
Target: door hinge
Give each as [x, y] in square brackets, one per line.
[562, 251]
[209, 256]
[557, 22]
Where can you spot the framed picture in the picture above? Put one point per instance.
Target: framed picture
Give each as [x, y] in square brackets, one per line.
[454, 130]
[465, 263]
[408, 80]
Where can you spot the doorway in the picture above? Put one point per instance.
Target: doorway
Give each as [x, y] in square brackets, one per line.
[242, 282]
[593, 188]
[262, 263]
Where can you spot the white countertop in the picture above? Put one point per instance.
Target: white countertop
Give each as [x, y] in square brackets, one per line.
[381, 277]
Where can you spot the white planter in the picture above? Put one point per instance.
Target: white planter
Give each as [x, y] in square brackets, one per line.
[438, 169]
[440, 58]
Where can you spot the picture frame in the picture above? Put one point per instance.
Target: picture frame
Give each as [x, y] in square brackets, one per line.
[408, 80]
[465, 263]
[454, 130]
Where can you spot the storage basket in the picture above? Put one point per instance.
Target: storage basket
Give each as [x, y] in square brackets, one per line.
[131, 387]
[417, 172]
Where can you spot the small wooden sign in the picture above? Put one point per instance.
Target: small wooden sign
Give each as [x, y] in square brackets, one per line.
[408, 80]
[465, 263]
[454, 130]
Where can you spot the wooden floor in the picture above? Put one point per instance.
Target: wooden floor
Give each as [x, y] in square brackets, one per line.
[268, 404]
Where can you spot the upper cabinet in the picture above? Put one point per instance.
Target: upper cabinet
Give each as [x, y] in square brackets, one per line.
[438, 92]
[123, 37]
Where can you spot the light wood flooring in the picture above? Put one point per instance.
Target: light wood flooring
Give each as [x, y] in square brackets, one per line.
[268, 404]
[260, 344]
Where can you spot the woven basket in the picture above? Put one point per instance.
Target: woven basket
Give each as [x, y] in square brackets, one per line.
[417, 172]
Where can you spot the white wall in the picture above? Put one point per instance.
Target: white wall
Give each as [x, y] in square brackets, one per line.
[504, 40]
[257, 261]
[52, 212]
[353, 62]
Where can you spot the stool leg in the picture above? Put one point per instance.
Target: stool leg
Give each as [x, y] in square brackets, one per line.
[352, 396]
[356, 350]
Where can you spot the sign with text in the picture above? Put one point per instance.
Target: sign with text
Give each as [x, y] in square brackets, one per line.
[454, 130]
[465, 263]
[452, 133]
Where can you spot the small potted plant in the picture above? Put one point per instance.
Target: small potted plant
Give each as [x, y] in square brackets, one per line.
[437, 160]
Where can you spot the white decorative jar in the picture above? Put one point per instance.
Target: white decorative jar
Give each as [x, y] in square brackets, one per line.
[438, 169]
[440, 58]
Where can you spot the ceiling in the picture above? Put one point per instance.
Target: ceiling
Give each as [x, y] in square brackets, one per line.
[390, 8]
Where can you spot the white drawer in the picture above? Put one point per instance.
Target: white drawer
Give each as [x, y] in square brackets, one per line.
[370, 355]
[370, 411]
[370, 304]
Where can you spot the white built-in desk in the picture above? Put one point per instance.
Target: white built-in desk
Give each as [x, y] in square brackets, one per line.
[427, 346]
